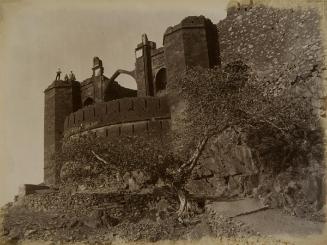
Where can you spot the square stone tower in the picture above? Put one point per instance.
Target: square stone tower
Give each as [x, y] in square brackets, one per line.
[193, 42]
[61, 99]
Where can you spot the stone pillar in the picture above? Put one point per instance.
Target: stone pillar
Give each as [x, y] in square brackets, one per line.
[98, 80]
[143, 67]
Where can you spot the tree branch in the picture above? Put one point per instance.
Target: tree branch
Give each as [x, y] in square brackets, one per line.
[187, 167]
[102, 160]
[266, 121]
[99, 158]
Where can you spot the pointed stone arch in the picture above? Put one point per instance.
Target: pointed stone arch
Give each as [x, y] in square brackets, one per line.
[115, 91]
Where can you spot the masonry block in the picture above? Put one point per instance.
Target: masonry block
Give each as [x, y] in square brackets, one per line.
[165, 125]
[140, 127]
[79, 117]
[152, 106]
[127, 129]
[72, 121]
[163, 109]
[27, 189]
[154, 126]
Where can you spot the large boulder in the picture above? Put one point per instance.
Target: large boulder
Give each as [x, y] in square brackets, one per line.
[227, 164]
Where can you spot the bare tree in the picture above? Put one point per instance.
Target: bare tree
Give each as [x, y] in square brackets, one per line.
[218, 99]
[215, 99]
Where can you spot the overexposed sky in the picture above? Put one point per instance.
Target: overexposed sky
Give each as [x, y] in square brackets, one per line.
[38, 36]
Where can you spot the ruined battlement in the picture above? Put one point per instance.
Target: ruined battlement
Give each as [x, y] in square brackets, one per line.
[128, 111]
[157, 51]
[283, 45]
[188, 22]
[60, 84]
[239, 6]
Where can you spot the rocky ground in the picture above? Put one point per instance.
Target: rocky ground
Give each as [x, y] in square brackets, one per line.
[150, 218]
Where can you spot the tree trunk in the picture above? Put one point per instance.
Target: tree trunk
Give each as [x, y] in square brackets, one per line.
[184, 205]
[184, 172]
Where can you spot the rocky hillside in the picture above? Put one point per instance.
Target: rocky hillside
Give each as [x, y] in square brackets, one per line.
[284, 48]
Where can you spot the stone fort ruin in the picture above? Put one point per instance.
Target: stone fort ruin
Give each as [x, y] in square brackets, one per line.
[101, 105]
[254, 34]
[241, 172]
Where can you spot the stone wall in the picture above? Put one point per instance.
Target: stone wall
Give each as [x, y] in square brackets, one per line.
[157, 60]
[186, 45]
[85, 203]
[284, 46]
[101, 89]
[114, 91]
[94, 88]
[132, 115]
[59, 102]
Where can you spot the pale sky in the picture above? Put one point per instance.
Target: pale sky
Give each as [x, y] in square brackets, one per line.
[37, 37]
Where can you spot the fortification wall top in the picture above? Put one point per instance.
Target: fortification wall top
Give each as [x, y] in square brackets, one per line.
[158, 51]
[60, 84]
[188, 22]
[118, 111]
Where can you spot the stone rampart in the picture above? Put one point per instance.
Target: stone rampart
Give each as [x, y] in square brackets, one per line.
[122, 116]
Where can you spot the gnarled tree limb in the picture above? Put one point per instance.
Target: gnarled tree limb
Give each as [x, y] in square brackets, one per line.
[103, 160]
[99, 158]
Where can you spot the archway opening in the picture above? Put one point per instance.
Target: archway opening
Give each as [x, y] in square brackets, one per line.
[126, 81]
[88, 101]
[161, 80]
[122, 84]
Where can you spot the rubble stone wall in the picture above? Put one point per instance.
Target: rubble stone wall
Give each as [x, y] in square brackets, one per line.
[85, 203]
[283, 45]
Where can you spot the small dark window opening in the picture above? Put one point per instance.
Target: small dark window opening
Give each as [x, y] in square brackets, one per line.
[106, 132]
[88, 101]
[161, 80]
[133, 129]
[119, 131]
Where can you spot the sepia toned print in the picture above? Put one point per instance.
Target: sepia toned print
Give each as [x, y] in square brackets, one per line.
[212, 134]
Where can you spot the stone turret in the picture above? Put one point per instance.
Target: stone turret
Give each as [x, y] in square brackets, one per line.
[193, 42]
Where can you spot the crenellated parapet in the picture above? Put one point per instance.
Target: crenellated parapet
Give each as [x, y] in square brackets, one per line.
[127, 115]
[188, 22]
